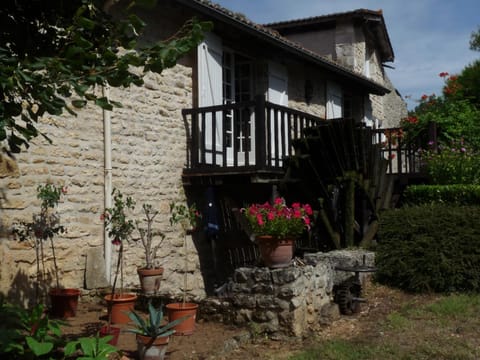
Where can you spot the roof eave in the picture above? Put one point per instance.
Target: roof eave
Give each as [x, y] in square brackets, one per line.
[371, 86]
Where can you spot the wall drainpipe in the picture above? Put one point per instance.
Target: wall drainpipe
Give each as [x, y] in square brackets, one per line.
[107, 141]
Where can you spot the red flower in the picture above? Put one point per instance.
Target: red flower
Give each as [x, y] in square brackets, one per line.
[260, 220]
[308, 209]
[116, 241]
[277, 219]
[412, 119]
[443, 74]
[424, 97]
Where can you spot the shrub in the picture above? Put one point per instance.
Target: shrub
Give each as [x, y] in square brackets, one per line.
[455, 164]
[431, 247]
[447, 194]
[456, 117]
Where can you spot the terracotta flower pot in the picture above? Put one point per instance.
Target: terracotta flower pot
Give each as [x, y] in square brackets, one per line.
[119, 306]
[275, 253]
[150, 279]
[114, 331]
[64, 302]
[176, 311]
[152, 350]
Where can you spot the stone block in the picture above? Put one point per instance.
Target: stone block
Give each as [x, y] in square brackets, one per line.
[95, 276]
[265, 302]
[240, 276]
[329, 313]
[261, 275]
[285, 275]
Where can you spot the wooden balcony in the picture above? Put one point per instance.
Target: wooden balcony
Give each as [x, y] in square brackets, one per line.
[248, 138]
[253, 138]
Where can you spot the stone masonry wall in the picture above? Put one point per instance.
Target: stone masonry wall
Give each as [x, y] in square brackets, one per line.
[148, 154]
[296, 91]
[289, 301]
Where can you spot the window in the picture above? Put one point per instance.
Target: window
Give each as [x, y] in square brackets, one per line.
[237, 87]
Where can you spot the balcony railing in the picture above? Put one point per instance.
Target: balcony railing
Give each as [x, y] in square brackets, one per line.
[403, 158]
[256, 136]
[248, 136]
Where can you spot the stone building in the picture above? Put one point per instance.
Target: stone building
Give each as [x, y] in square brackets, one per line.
[359, 41]
[161, 153]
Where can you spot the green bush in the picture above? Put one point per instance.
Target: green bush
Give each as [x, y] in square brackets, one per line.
[431, 247]
[455, 164]
[447, 194]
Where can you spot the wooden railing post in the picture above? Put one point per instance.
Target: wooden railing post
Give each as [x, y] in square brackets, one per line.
[260, 143]
[432, 135]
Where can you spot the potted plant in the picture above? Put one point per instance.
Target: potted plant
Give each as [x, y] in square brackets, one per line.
[276, 226]
[43, 228]
[120, 230]
[187, 218]
[151, 274]
[153, 334]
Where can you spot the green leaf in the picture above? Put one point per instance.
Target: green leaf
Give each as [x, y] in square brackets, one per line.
[24, 76]
[73, 51]
[39, 348]
[104, 103]
[70, 348]
[88, 345]
[86, 23]
[79, 103]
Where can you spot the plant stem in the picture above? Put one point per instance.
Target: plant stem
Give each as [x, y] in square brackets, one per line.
[55, 266]
[37, 284]
[186, 268]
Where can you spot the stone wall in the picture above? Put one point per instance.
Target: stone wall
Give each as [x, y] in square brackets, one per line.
[296, 91]
[290, 301]
[148, 154]
[394, 105]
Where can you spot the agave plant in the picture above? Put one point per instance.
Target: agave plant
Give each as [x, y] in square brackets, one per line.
[153, 326]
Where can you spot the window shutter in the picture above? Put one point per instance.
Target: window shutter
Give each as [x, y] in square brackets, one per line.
[334, 101]
[209, 55]
[277, 84]
[210, 71]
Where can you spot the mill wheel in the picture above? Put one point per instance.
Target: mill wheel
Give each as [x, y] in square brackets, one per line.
[347, 297]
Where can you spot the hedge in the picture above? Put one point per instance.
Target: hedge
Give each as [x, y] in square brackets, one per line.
[448, 194]
[428, 248]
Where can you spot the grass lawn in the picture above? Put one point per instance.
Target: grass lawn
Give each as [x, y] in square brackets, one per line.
[395, 325]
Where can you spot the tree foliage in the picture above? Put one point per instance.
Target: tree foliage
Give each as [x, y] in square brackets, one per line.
[457, 118]
[469, 81]
[53, 53]
[475, 40]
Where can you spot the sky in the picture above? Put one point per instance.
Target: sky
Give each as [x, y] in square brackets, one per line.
[428, 36]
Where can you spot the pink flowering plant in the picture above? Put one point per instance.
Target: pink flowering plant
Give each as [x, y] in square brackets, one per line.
[453, 164]
[278, 219]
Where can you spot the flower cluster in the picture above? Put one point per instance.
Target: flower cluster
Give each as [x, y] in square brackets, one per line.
[392, 136]
[453, 164]
[278, 219]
